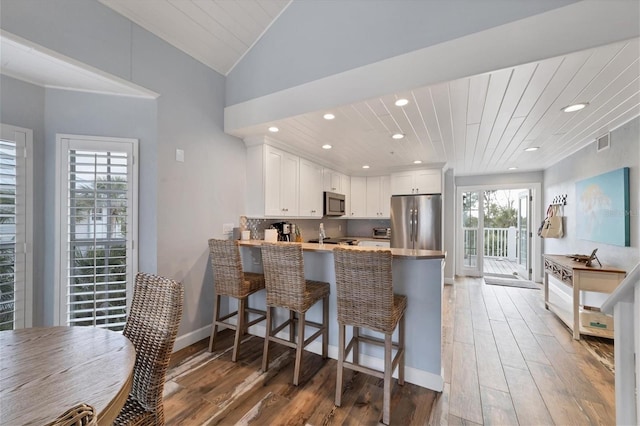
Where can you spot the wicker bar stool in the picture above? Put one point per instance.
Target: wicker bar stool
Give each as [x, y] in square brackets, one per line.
[287, 288]
[231, 281]
[366, 299]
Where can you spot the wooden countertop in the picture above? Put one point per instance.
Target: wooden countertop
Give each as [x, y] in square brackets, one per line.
[327, 248]
[567, 262]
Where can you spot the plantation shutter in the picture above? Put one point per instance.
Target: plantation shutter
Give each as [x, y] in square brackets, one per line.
[98, 246]
[12, 233]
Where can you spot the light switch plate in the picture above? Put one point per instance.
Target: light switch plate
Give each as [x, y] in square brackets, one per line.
[180, 155]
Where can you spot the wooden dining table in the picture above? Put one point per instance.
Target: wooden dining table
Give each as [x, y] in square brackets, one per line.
[45, 371]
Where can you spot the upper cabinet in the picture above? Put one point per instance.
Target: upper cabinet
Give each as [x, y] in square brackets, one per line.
[340, 183]
[310, 189]
[272, 177]
[335, 181]
[358, 196]
[378, 197]
[427, 181]
[281, 183]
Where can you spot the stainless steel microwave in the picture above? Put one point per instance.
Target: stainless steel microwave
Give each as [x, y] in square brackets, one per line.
[333, 204]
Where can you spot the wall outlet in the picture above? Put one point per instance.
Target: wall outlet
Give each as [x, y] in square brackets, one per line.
[180, 155]
[227, 229]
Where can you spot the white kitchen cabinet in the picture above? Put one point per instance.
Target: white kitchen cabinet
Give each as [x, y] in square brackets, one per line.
[272, 182]
[378, 197]
[345, 185]
[335, 182]
[310, 189]
[427, 181]
[358, 197]
[281, 183]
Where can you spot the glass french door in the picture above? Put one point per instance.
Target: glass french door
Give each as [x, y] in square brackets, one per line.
[472, 239]
[524, 235]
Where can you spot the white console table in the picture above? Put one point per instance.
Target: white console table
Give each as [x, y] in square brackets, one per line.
[579, 277]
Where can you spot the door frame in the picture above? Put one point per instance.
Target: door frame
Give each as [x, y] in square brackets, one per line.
[526, 194]
[536, 218]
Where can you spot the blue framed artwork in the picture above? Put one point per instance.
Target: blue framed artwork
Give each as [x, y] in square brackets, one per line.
[603, 208]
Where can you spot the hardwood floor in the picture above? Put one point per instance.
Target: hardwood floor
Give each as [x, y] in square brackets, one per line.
[506, 361]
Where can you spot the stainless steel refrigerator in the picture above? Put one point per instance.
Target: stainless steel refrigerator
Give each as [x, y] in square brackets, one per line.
[416, 221]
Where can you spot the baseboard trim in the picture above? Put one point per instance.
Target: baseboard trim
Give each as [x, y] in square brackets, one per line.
[412, 375]
[191, 338]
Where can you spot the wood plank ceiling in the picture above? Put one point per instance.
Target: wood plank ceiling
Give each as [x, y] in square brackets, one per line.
[216, 32]
[475, 125]
[481, 124]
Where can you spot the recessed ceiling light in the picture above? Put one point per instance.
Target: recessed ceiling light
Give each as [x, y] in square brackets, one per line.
[329, 116]
[532, 148]
[402, 102]
[273, 129]
[397, 135]
[575, 107]
[417, 162]
[513, 168]
[326, 146]
[365, 167]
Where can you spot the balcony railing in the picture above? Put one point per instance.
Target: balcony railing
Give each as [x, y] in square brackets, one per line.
[498, 242]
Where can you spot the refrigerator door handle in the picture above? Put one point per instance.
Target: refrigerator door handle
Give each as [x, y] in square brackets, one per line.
[416, 225]
[411, 224]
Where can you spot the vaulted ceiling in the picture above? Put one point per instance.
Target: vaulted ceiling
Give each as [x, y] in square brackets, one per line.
[476, 125]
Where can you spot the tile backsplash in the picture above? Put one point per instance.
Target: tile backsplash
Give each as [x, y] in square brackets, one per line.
[309, 228]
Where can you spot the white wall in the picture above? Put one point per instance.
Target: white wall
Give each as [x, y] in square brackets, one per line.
[315, 39]
[561, 178]
[185, 203]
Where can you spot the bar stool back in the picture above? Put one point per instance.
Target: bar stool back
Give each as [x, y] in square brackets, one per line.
[365, 299]
[231, 281]
[287, 288]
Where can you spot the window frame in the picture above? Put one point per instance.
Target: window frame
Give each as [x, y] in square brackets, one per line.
[26, 319]
[63, 142]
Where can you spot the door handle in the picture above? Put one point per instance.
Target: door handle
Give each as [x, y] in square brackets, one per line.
[411, 224]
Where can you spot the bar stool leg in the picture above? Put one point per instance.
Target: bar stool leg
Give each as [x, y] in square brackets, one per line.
[292, 329]
[267, 334]
[214, 328]
[356, 345]
[299, 347]
[341, 332]
[325, 324]
[401, 338]
[386, 404]
[239, 328]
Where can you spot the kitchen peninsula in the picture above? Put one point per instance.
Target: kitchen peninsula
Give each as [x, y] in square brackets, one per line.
[418, 274]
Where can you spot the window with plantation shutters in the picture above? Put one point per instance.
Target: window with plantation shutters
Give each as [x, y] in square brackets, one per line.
[98, 211]
[15, 234]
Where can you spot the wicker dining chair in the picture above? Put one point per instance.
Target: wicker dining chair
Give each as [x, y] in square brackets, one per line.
[151, 326]
[231, 281]
[365, 299]
[287, 288]
[80, 415]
